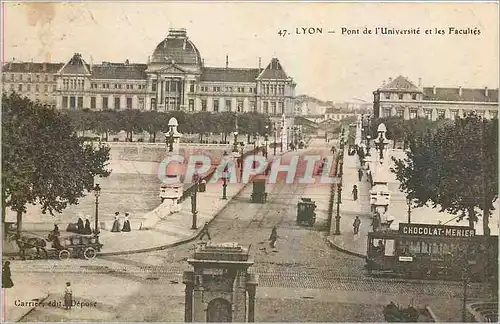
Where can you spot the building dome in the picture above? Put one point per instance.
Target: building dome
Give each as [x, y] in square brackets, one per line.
[177, 48]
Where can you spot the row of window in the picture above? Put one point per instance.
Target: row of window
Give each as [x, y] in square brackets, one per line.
[401, 96]
[117, 86]
[273, 89]
[27, 87]
[226, 89]
[428, 113]
[30, 78]
[276, 107]
[72, 102]
[73, 84]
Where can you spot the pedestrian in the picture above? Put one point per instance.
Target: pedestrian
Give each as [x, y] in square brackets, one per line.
[204, 232]
[360, 175]
[6, 276]
[273, 237]
[355, 192]
[55, 231]
[79, 225]
[68, 296]
[126, 224]
[356, 224]
[87, 230]
[116, 223]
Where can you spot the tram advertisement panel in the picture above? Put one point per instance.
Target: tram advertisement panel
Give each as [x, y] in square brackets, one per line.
[436, 230]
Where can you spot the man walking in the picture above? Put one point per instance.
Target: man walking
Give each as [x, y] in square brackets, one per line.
[360, 175]
[204, 232]
[355, 192]
[356, 224]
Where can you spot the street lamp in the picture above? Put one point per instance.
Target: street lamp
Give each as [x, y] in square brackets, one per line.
[281, 139]
[194, 194]
[235, 145]
[368, 137]
[275, 130]
[241, 159]
[408, 202]
[97, 193]
[266, 139]
[224, 185]
[339, 188]
[171, 139]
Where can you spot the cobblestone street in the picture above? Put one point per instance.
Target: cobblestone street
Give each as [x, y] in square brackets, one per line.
[302, 279]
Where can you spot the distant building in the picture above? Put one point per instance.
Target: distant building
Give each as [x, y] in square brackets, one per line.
[339, 114]
[37, 81]
[400, 97]
[175, 78]
[309, 106]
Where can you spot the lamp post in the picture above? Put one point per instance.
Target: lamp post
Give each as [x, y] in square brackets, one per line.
[275, 131]
[408, 202]
[242, 160]
[97, 193]
[171, 139]
[339, 188]
[224, 185]
[266, 139]
[368, 137]
[235, 144]
[281, 139]
[194, 194]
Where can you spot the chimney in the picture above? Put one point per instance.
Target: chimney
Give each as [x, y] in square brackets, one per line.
[419, 82]
[149, 59]
[433, 90]
[91, 63]
[460, 91]
[486, 91]
[260, 63]
[227, 61]
[126, 62]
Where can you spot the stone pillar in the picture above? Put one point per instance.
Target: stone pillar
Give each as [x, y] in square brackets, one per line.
[188, 280]
[239, 297]
[199, 307]
[252, 282]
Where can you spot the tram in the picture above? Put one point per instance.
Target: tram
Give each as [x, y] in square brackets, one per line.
[432, 251]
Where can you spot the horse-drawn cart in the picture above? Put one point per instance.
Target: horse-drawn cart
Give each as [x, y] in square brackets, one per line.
[57, 246]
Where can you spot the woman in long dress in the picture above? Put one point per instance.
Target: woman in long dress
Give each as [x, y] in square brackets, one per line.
[87, 229]
[126, 224]
[6, 279]
[116, 223]
[68, 296]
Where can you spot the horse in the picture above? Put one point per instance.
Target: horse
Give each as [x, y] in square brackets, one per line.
[25, 243]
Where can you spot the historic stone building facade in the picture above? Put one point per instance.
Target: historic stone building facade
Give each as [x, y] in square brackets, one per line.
[400, 97]
[174, 78]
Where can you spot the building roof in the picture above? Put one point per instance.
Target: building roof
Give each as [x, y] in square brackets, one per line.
[177, 48]
[304, 97]
[400, 83]
[25, 67]
[274, 70]
[76, 65]
[213, 74]
[119, 71]
[453, 94]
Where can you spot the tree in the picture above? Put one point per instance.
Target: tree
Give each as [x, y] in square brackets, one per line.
[44, 161]
[454, 167]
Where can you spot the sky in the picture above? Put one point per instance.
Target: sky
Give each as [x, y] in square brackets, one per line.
[329, 66]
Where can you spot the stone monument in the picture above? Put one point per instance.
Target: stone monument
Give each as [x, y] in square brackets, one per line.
[216, 291]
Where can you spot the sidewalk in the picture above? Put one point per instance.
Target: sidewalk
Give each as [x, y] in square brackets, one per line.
[348, 242]
[174, 229]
